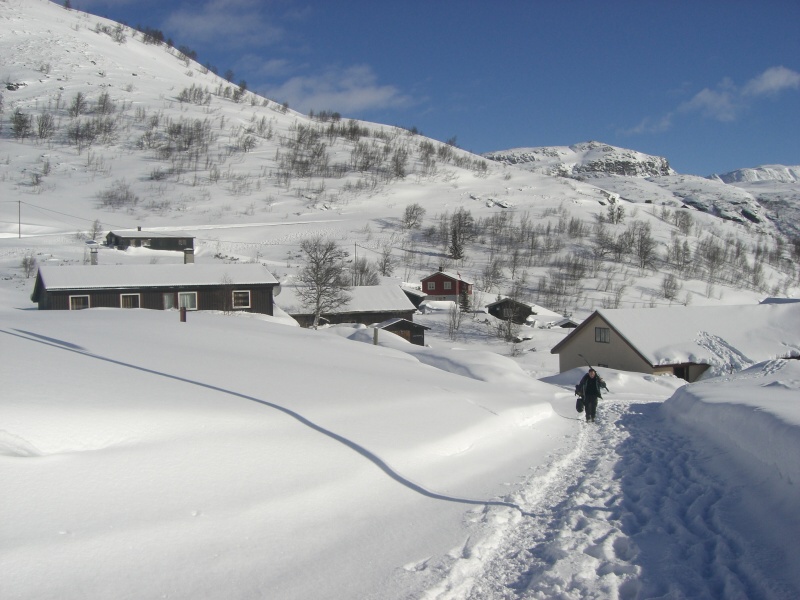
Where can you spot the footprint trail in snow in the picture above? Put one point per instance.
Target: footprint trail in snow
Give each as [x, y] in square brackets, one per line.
[630, 512]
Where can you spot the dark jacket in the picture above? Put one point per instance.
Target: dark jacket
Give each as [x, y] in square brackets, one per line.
[590, 386]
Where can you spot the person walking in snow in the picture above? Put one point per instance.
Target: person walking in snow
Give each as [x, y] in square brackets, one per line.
[590, 386]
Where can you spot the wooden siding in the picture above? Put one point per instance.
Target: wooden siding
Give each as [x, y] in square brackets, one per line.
[208, 298]
[438, 289]
[363, 318]
[520, 311]
[177, 243]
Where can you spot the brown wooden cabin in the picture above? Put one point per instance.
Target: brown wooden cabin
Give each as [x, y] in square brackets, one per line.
[123, 239]
[246, 287]
[367, 304]
[408, 330]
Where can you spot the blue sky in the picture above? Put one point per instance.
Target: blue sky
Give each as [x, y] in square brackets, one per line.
[711, 85]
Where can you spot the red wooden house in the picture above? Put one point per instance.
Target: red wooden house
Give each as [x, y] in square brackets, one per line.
[445, 285]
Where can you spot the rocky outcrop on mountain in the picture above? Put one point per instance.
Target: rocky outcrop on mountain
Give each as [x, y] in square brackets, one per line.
[776, 188]
[773, 173]
[587, 158]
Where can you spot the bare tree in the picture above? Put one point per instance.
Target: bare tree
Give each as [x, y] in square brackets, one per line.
[386, 262]
[29, 264]
[365, 273]
[97, 229]
[323, 277]
[413, 215]
[670, 286]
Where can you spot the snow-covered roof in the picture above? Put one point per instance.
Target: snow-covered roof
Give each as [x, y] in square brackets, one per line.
[390, 322]
[457, 276]
[138, 276]
[716, 335]
[363, 298]
[138, 233]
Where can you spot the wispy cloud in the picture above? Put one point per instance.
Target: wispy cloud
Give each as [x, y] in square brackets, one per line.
[726, 102]
[235, 23]
[721, 104]
[772, 81]
[344, 90]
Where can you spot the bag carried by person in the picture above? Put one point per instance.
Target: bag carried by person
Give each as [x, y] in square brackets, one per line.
[579, 400]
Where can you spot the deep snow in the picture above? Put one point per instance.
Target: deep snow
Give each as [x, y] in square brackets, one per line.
[143, 457]
[228, 456]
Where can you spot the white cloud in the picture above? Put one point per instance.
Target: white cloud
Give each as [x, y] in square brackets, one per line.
[343, 90]
[720, 104]
[727, 101]
[772, 81]
[233, 22]
[650, 125]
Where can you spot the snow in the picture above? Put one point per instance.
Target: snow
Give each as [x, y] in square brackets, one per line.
[236, 456]
[103, 276]
[362, 298]
[143, 457]
[722, 336]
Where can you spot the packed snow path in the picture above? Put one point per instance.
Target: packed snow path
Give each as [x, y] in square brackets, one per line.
[630, 512]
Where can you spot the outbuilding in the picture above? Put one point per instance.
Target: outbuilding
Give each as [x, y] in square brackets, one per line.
[228, 287]
[408, 330]
[682, 341]
[367, 304]
[122, 239]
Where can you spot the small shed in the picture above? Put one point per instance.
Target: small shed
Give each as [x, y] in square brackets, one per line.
[155, 240]
[408, 330]
[245, 287]
[445, 285]
[368, 304]
[509, 309]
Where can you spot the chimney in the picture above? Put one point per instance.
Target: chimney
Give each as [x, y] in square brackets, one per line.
[93, 255]
[188, 256]
[441, 269]
[138, 228]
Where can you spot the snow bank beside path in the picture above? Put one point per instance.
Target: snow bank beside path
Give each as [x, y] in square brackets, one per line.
[749, 427]
[759, 429]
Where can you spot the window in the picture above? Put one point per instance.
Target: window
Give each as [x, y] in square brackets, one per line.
[602, 335]
[169, 301]
[78, 302]
[241, 299]
[129, 300]
[448, 285]
[431, 286]
[187, 300]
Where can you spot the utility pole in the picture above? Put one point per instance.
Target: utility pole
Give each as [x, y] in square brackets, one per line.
[19, 219]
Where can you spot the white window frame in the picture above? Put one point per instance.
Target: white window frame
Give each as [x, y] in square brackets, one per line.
[138, 300]
[88, 301]
[602, 335]
[168, 298]
[447, 285]
[233, 299]
[431, 285]
[183, 304]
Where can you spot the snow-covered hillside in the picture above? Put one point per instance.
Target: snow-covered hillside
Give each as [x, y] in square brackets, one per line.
[103, 131]
[639, 177]
[234, 456]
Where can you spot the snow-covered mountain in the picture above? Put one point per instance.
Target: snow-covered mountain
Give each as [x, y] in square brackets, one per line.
[101, 125]
[584, 159]
[771, 173]
[639, 177]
